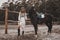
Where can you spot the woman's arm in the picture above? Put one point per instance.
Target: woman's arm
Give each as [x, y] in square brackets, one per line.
[19, 17]
[25, 16]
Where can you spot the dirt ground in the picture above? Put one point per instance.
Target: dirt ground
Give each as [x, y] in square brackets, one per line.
[29, 33]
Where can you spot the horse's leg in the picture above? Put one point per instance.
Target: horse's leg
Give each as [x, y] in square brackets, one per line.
[35, 28]
[49, 25]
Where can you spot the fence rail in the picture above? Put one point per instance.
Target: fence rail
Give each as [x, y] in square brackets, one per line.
[6, 18]
[10, 11]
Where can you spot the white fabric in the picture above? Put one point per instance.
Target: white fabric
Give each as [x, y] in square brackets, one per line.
[22, 22]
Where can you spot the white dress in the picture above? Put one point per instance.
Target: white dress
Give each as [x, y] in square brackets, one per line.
[22, 21]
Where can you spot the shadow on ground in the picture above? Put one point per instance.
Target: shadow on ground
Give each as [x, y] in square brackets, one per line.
[15, 37]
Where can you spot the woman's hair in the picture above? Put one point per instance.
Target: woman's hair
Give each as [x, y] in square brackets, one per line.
[23, 10]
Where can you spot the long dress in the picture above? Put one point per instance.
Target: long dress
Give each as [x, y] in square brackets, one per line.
[22, 21]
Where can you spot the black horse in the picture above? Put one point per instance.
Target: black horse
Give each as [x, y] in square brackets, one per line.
[47, 20]
[33, 18]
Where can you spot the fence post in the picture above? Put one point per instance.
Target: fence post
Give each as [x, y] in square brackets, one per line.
[6, 20]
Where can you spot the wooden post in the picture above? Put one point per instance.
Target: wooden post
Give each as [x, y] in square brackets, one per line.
[6, 20]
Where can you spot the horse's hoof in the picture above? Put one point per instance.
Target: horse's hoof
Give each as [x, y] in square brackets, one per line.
[35, 36]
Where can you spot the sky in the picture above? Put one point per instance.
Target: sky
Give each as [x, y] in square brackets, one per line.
[2, 1]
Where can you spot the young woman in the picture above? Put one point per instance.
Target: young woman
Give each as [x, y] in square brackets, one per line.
[22, 21]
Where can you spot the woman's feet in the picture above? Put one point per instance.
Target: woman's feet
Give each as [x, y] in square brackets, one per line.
[22, 32]
[18, 32]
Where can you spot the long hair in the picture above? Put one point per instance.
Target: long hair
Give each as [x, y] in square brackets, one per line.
[23, 10]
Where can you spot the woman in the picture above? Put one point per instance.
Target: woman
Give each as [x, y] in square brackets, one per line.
[21, 20]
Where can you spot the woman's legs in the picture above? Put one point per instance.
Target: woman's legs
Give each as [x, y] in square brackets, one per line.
[19, 31]
[22, 28]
